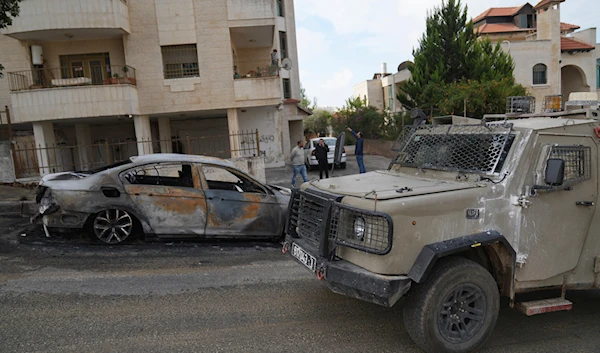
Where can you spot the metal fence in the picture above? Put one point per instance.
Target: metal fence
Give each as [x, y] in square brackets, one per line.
[71, 76]
[31, 160]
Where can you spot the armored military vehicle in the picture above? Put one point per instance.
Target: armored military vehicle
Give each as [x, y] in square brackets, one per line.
[465, 214]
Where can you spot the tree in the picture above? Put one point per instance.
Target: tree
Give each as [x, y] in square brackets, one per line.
[9, 9]
[362, 117]
[318, 122]
[449, 53]
[305, 101]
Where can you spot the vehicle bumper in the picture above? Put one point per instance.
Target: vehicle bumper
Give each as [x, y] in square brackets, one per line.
[345, 278]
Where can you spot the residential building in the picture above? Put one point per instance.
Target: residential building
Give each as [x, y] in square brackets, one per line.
[151, 74]
[551, 57]
[380, 91]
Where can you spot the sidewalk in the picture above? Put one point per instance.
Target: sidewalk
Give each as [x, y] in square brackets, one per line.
[17, 200]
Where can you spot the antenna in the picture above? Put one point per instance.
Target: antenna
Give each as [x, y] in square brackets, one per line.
[286, 63]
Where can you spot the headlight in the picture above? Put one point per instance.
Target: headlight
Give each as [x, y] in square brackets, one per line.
[359, 228]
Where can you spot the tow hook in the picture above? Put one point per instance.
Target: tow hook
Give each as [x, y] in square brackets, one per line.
[285, 248]
[321, 273]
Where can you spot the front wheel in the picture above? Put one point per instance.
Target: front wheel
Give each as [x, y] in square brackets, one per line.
[112, 226]
[343, 165]
[455, 310]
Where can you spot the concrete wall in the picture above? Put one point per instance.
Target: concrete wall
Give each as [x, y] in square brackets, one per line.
[38, 15]
[253, 58]
[269, 124]
[74, 102]
[372, 89]
[7, 167]
[254, 166]
[14, 56]
[256, 89]
[378, 147]
[248, 10]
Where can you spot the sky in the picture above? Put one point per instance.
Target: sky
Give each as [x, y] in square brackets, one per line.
[344, 42]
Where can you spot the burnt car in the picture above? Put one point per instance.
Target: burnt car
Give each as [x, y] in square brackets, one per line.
[163, 196]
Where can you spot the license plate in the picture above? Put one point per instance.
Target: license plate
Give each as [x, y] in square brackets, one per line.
[305, 258]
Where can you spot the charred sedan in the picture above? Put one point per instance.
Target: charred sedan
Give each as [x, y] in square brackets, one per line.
[163, 196]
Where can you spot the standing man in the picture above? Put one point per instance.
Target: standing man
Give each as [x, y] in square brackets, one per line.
[358, 150]
[321, 151]
[297, 157]
[274, 59]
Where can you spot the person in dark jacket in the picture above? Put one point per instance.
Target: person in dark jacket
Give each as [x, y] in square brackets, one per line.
[358, 150]
[321, 151]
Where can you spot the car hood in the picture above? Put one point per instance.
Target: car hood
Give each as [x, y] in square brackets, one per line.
[388, 185]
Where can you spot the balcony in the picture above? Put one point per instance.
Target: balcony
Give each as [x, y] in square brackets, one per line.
[44, 20]
[73, 92]
[250, 9]
[257, 87]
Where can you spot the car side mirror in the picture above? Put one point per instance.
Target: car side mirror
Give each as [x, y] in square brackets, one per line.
[555, 172]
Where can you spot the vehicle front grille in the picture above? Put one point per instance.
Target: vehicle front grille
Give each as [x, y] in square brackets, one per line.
[307, 215]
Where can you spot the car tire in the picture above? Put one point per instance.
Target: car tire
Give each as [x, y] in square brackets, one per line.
[113, 226]
[455, 309]
[343, 165]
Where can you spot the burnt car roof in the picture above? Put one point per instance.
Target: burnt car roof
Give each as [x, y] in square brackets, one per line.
[174, 157]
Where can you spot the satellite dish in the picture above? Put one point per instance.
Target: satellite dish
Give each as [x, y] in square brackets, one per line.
[286, 63]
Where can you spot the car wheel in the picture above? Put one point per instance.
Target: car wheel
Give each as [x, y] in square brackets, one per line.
[113, 226]
[455, 309]
[343, 165]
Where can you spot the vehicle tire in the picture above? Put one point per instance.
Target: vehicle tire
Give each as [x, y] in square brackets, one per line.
[455, 309]
[113, 226]
[343, 165]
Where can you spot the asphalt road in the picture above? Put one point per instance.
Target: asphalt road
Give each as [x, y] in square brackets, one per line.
[65, 294]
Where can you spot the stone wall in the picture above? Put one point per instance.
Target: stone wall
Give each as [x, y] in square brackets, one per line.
[7, 167]
[379, 147]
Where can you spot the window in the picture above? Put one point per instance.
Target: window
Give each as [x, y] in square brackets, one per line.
[180, 61]
[287, 88]
[598, 73]
[280, 8]
[577, 162]
[219, 178]
[540, 75]
[283, 44]
[390, 97]
[95, 66]
[178, 175]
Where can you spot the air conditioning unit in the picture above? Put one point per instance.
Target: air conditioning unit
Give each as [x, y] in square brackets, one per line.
[520, 105]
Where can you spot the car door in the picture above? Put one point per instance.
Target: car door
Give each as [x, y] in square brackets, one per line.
[555, 223]
[238, 205]
[169, 196]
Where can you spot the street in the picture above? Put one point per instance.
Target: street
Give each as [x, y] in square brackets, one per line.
[67, 294]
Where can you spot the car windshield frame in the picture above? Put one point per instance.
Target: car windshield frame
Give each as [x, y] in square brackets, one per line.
[478, 149]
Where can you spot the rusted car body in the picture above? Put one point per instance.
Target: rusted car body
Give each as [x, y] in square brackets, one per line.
[164, 196]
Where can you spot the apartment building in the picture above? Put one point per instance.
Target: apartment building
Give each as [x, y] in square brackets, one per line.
[551, 57]
[151, 75]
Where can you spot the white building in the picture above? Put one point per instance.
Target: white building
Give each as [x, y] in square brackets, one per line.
[551, 57]
[84, 73]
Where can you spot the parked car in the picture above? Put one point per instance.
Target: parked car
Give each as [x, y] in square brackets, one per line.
[163, 196]
[309, 152]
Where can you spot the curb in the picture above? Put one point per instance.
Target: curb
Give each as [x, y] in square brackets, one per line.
[18, 208]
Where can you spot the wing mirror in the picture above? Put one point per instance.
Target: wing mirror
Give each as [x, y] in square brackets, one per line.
[555, 172]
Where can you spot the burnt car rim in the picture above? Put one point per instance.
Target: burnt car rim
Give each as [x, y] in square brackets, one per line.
[462, 313]
[113, 226]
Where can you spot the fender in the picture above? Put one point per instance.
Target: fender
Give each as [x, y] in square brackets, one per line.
[432, 252]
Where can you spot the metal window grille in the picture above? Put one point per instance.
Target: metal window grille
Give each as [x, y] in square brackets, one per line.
[374, 237]
[283, 44]
[540, 76]
[180, 61]
[577, 162]
[520, 104]
[464, 148]
[287, 88]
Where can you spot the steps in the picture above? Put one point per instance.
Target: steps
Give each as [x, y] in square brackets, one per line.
[544, 306]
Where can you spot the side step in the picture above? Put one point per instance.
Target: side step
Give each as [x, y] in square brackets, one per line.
[544, 306]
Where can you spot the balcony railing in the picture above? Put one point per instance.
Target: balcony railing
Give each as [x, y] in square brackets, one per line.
[269, 71]
[71, 76]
